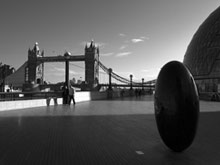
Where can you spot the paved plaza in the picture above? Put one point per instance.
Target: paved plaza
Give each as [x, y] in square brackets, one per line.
[121, 131]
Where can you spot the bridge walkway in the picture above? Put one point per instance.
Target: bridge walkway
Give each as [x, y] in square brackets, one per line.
[101, 132]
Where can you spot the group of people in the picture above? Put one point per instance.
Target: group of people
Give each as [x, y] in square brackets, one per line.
[69, 94]
[138, 92]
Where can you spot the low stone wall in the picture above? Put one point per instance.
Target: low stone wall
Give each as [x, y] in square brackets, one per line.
[79, 97]
[20, 104]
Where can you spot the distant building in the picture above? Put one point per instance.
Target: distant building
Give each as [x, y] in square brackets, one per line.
[203, 54]
[30, 72]
[5, 70]
[17, 78]
[79, 81]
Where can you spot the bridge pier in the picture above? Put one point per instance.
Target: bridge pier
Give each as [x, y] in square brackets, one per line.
[66, 85]
[110, 78]
[92, 66]
[131, 86]
[110, 91]
[142, 84]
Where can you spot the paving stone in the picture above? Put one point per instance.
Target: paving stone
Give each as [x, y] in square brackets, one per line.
[59, 135]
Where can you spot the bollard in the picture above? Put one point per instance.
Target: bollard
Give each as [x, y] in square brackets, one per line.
[176, 105]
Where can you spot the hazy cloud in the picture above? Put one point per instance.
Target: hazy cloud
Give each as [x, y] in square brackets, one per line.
[101, 45]
[136, 40]
[150, 77]
[61, 71]
[145, 38]
[122, 35]
[83, 43]
[73, 72]
[123, 54]
[154, 70]
[106, 54]
[123, 47]
[145, 70]
[125, 74]
[141, 39]
[150, 73]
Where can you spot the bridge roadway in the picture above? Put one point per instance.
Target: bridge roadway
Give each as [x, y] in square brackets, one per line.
[114, 132]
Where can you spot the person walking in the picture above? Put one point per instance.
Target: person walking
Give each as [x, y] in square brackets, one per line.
[65, 94]
[71, 94]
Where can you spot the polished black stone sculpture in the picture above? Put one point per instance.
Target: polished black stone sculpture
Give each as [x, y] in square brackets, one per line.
[176, 105]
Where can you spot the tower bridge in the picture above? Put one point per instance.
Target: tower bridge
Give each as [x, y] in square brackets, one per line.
[31, 73]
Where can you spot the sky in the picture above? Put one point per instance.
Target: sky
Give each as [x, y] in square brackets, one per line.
[134, 36]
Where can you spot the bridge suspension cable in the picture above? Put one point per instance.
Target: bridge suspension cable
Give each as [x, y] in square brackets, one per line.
[122, 79]
[77, 66]
[116, 76]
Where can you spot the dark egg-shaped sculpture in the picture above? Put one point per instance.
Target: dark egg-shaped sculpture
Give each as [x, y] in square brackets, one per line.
[176, 105]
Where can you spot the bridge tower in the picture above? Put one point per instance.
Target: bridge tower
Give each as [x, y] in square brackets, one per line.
[92, 65]
[34, 71]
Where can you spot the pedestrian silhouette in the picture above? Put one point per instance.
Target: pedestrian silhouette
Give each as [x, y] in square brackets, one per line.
[71, 94]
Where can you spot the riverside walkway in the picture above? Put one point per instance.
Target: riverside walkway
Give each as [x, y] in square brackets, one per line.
[101, 132]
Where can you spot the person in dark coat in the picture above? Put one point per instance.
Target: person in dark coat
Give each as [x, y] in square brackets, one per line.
[71, 94]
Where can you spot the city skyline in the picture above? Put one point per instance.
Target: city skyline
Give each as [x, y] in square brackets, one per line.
[134, 37]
